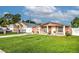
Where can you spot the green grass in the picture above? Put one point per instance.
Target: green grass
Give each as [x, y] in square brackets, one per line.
[40, 43]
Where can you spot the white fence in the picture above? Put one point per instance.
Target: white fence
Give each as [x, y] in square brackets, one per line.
[27, 30]
[75, 31]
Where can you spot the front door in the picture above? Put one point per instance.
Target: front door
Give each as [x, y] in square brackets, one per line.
[53, 30]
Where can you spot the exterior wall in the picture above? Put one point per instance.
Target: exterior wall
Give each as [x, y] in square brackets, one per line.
[34, 29]
[52, 30]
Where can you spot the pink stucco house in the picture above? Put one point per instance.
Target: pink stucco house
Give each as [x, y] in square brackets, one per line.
[52, 28]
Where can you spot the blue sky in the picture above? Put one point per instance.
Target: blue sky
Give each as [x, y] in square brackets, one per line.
[41, 14]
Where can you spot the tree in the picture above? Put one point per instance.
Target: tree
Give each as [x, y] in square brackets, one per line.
[9, 17]
[30, 21]
[4, 22]
[15, 19]
[75, 22]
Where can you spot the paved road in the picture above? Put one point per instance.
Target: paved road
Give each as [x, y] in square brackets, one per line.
[14, 35]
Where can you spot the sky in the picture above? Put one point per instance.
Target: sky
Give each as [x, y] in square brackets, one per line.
[43, 14]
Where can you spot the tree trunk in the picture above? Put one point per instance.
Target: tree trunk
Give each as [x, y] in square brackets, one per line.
[18, 31]
[4, 30]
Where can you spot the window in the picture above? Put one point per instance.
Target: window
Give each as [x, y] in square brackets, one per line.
[60, 29]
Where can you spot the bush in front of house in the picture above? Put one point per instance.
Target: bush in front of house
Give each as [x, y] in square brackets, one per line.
[68, 33]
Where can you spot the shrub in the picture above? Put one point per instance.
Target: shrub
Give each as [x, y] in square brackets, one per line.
[68, 34]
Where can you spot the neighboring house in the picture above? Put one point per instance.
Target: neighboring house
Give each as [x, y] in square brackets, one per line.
[23, 27]
[31, 27]
[54, 28]
[18, 26]
[11, 27]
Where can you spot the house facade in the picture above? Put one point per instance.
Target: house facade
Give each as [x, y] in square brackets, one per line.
[46, 28]
[23, 27]
[53, 29]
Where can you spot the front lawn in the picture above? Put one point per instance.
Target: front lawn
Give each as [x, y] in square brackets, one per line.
[40, 43]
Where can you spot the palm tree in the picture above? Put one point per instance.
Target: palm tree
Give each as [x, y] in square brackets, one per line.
[5, 21]
[9, 19]
[4, 24]
[8, 16]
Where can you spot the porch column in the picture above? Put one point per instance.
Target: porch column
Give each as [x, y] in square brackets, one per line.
[47, 29]
[64, 30]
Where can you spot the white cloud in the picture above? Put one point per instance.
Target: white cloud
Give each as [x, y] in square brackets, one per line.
[5, 12]
[57, 21]
[73, 12]
[41, 9]
[46, 11]
[37, 20]
[52, 12]
[58, 14]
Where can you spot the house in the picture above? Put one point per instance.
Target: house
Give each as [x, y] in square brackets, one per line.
[23, 27]
[30, 27]
[17, 26]
[51, 28]
[54, 28]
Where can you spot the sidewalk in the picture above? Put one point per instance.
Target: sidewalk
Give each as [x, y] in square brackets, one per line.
[14, 35]
[2, 51]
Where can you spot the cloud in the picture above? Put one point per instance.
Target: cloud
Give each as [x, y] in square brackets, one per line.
[58, 14]
[46, 11]
[37, 20]
[73, 12]
[57, 21]
[5, 12]
[52, 12]
[41, 9]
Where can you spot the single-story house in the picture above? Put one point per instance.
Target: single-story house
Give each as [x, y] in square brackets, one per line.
[22, 27]
[54, 28]
[18, 26]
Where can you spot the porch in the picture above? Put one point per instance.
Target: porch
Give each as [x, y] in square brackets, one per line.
[52, 30]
